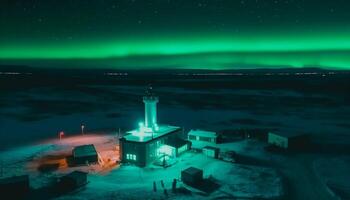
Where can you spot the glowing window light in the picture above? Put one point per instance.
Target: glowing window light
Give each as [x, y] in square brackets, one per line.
[165, 150]
[131, 157]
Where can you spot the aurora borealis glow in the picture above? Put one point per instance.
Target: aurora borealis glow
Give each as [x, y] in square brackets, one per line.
[176, 34]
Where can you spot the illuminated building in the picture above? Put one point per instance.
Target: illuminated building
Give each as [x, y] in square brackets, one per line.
[151, 141]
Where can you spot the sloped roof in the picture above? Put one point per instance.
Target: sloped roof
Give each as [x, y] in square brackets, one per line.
[192, 171]
[202, 133]
[177, 142]
[84, 150]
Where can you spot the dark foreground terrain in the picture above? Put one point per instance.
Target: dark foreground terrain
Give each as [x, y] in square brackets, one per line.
[36, 105]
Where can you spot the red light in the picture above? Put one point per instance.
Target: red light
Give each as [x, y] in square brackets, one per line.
[61, 135]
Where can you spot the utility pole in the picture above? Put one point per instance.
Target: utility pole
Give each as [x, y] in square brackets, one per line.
[82, 129]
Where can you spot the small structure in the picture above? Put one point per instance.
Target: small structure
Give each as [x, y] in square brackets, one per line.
[192, 176]
[179, 145]
[288, 140]
[211, 151]
[16, 187]
[85, 154]
[72, 181]
[204, 136]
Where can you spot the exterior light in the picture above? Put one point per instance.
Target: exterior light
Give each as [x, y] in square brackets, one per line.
[141, 124]
[156, 127]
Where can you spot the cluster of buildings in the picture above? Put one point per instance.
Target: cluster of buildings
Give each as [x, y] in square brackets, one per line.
[152, 142]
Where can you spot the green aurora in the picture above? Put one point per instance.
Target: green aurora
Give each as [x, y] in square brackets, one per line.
[196, 35]
[192, 52]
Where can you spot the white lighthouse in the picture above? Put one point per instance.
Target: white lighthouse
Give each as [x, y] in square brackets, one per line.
[150, 101]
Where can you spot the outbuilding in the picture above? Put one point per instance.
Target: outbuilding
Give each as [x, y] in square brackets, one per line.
[192, 176]
[16, 187]
[211, 151]
[85, 154]
[288, 140]
[73, 180]
[201, 135]
[179, 145]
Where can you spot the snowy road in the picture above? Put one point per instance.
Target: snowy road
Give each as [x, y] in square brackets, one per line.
[303, 182]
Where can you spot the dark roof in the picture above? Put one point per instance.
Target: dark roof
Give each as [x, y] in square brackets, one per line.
[75, 175]
[210, 147]
[288, 133]
[14, 179]
[177, 142]
[192, 170]
[84, 150]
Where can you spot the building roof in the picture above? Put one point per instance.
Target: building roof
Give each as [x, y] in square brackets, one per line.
[202, 133]
[137, 136]
[177, 142]
[75, 175]
[211, 147]
[287, 133]
[192, 171]
[84, 150]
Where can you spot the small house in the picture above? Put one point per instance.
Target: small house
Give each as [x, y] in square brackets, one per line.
[192, 176]
[211, 151]
[16, 187]
[71, 181]
[85, 154]
[288, 140]
[201, 135]
[179, 145]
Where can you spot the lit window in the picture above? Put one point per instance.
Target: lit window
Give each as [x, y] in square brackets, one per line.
[128, 156]
[134, 157]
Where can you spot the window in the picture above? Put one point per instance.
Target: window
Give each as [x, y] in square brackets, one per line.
[130, 156]
[192, 137]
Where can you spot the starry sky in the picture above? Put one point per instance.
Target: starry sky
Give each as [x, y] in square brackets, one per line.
[181, 34]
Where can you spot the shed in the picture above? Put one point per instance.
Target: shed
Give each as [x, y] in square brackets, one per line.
[201, 135]
[192, 176]
[85, 154]
[211, 151]
[16, 186]
[288, 140]
[72, 181]
[180, 145]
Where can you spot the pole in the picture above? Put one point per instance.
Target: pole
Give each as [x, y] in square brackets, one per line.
[82, 129]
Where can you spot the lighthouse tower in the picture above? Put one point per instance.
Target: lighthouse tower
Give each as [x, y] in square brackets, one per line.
[150, 101]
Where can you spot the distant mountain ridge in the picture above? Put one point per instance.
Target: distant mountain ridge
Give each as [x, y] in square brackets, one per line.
[30, 69]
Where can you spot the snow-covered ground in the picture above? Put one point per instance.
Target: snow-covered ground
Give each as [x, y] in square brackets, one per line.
[334, 172]
[37, 115]
[128, 182]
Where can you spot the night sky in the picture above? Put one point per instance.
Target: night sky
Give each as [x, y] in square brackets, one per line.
[190, 34]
